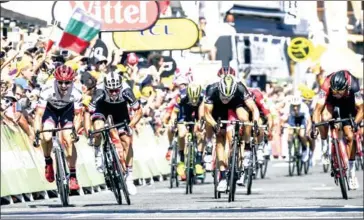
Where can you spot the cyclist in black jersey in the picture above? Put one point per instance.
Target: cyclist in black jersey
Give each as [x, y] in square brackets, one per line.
[113, 99]
[189, 108]
[225, 95]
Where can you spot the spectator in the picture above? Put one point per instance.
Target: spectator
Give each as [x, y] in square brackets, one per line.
[203, 44]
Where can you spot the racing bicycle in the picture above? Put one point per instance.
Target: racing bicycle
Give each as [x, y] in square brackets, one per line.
[114, 173]
[62, 171]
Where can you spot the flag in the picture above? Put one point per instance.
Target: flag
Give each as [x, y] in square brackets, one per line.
[79, 32]
[54, 36]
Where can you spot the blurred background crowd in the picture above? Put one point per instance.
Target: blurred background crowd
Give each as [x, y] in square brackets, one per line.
[250, 36]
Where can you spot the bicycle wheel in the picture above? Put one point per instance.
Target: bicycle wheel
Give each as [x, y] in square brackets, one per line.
[110, 175]
[120, 175]
[216, 175]
[341, 171]
[306, 166]
[188, 169]
[232, 172]
[263, 168]
[62, 177]
[291, 160]
[298, 154]
[173, 174]
[251, 170]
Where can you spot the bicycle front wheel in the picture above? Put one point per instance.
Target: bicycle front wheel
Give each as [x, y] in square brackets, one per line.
[291, 160]
[232, 172]
[111, 176]
[120, 178]
[62, 177]
[342, 176]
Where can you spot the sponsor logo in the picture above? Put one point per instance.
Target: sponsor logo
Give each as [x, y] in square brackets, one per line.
[300, 49]
[116, 15]
[166, 34]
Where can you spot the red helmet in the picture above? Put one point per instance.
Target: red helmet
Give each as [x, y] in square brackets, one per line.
[132, 59]
[64, 73]
[226, 70]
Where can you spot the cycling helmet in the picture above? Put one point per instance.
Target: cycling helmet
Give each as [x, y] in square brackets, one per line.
[227, 86]
[64, 73]
[194, 92]
[113, 80]
[338, 81]
[308, 94]
[226, 70]
[296, 100]
[181, 79]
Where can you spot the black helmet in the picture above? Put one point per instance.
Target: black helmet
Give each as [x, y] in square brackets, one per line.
[338, 81]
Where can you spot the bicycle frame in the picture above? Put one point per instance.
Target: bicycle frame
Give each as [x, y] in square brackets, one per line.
[191, 157]
[115, 170]
[63, 172]
[339, 158]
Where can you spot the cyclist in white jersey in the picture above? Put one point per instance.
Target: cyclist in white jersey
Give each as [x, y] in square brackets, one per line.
[60, 104]
[298, 113]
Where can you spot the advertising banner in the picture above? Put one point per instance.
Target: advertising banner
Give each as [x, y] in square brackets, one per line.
[166, 34]
[116, 15]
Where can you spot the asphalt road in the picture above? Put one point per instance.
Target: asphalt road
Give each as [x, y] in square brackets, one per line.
[277, 196]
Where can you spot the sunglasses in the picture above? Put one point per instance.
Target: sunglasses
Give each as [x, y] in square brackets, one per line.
[111, 91]
[338, 92]
[64, 83]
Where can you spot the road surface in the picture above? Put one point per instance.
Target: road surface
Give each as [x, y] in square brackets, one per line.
[277, 196]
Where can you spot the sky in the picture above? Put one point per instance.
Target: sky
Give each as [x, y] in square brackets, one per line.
[37, 9]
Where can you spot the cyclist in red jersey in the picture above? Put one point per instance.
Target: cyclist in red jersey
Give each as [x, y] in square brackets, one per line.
[341, 89]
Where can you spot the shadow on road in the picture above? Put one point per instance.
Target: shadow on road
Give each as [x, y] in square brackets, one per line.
[212, 210]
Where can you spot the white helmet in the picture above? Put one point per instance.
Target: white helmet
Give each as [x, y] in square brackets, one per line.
[181, 79]
[296, 100]
[113, 80]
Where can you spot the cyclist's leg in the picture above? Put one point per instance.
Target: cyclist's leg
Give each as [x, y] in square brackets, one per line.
[200, 151]
[221, 157]
[326, 114]
[182, 132]
[98, 121]
[49, 121]
[66, 120]
[350, 148]
[126, 155]
[245, 116]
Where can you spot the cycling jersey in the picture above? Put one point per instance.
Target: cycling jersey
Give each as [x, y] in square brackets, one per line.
[50, 96]
[259, 101]
[220, 110]
[101, 105]
[297, 119]
[345, 103]
[186, 111]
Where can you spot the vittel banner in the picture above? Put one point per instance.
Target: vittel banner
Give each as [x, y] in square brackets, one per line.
[116, 15]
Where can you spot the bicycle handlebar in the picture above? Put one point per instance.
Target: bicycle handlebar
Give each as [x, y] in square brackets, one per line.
[334, 121]
[53, 131]
[107, 128]
[241, 123]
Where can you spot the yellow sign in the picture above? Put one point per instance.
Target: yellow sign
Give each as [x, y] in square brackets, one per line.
[166, 34]
[300, 49]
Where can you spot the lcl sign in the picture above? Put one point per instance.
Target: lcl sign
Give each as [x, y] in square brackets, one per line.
[116, 15]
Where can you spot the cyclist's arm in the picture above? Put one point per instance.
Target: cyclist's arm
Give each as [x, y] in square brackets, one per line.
[208, 114]
[134, 104]
[359, 106]
[307, 117]
[201, 111]
[41, 107]
[320, 104]
[209, 106]
[253, 108]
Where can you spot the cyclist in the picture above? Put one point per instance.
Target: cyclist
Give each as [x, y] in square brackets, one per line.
[341, 89]
[265, 118]
[113, 100]
[220, 97]
[298, 113]
[189, 108]
[60, 102]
